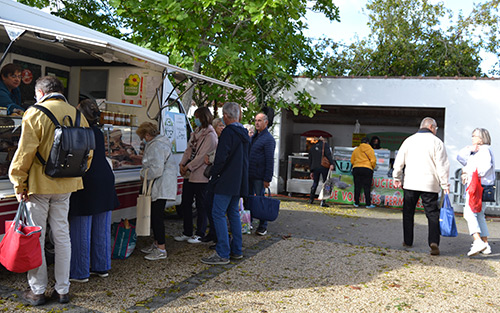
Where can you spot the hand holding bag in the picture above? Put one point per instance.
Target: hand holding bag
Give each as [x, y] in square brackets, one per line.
[264, 208]
[326, 190]
[20, 249]
[447, 219]
[143, 223]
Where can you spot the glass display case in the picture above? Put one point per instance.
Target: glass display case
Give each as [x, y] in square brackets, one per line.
[10, 131]
[299, 179]
[123, 146]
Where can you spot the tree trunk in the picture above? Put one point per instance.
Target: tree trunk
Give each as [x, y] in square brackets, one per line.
[188, 96]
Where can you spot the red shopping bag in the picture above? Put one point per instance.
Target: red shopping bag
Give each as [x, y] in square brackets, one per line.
[475, 191]
[20, 249]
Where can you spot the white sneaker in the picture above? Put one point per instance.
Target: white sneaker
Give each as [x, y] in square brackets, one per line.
[487, 250]
[182, 237]
[477, 246]
[194, 239]
[156, 255]
[149, 249]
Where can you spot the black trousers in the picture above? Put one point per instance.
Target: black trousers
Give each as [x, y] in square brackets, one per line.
[157, 211]
[431, 208]
[317, 172]
[363, 178]
[196, 191]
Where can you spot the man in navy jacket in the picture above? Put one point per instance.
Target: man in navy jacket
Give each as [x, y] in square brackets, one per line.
[261, 162]
[229, 180]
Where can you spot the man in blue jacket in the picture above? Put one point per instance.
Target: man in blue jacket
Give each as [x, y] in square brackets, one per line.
[229, 182]
[10, 95]
[261, 162]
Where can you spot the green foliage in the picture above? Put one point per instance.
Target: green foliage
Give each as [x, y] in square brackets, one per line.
[258, 45]
[406, 40]
[96, 14]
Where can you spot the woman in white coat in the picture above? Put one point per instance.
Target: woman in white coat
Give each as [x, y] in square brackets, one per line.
[477, 156]
[162, 168]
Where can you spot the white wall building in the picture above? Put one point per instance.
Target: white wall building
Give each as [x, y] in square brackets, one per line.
[394, 105]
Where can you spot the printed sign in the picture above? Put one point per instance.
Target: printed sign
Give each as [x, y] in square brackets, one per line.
[383, 192]
[174, 127]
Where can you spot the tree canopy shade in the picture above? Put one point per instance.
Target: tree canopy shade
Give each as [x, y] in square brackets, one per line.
[406, 40]
[258, 45]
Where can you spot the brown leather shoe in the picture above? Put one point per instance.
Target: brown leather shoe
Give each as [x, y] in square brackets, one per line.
[434, 249]
[33, 299]
[60, 298]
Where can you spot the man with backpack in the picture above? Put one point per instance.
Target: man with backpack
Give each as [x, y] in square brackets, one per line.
[47, 198]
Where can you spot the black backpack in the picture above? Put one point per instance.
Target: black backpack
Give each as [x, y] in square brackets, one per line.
[70, 150]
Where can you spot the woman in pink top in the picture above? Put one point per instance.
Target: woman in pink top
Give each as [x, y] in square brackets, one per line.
[202, 141]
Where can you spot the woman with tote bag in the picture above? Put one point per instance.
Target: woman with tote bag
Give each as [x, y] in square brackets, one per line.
[477, 158]
[160, 166]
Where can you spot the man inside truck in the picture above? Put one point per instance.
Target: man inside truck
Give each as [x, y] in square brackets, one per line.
[10, 95]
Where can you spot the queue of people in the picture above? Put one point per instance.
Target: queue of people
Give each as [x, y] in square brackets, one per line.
[79, 209]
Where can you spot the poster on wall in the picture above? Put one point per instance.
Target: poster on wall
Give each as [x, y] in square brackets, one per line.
[132, 87]
[62, 75]
[174, 127]
[30, 73]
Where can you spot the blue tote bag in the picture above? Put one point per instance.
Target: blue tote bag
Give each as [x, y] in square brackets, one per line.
[264, 208]
[447, 219]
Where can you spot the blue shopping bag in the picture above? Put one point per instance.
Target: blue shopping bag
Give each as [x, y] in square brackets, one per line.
[447, 219]
[263, 208]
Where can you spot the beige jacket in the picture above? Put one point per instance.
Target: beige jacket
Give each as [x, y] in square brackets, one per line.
[423, 162]
[26, 172]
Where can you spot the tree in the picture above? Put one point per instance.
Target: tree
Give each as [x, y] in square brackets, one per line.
[406, 39]
[258, 45]
[95, 14]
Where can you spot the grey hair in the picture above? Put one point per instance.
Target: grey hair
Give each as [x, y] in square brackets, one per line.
[264, 115]
[483, 134]
[232, 110]
[217, 121]
[427, 122]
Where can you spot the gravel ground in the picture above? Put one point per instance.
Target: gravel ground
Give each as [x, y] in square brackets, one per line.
[283, 273]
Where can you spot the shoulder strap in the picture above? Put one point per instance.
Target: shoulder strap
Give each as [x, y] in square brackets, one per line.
[56, 122]
[48, 113]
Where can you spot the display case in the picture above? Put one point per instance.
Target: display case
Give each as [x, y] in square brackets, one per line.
[123, 146]
[299, 179]
[10, 131]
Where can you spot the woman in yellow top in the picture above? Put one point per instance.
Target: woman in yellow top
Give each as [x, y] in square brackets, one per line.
[363, 162]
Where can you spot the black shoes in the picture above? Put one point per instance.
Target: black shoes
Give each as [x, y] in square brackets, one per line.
[434, 249]
[34, 299]
[323, 204]
[261, 231]
[60, 298]
[310, 201]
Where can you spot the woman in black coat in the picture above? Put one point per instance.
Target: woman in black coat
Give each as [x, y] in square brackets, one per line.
[90, 209]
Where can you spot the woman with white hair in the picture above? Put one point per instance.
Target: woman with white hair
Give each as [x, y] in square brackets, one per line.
[477, 156]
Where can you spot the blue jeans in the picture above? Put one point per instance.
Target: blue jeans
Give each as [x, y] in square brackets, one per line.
[90, 244]
[227, 204]
[475, 221]
[256, 187]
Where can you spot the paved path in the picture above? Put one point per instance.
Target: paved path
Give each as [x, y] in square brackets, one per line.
[136, 285]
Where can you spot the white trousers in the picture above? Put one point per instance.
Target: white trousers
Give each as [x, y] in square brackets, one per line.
[52, 208]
